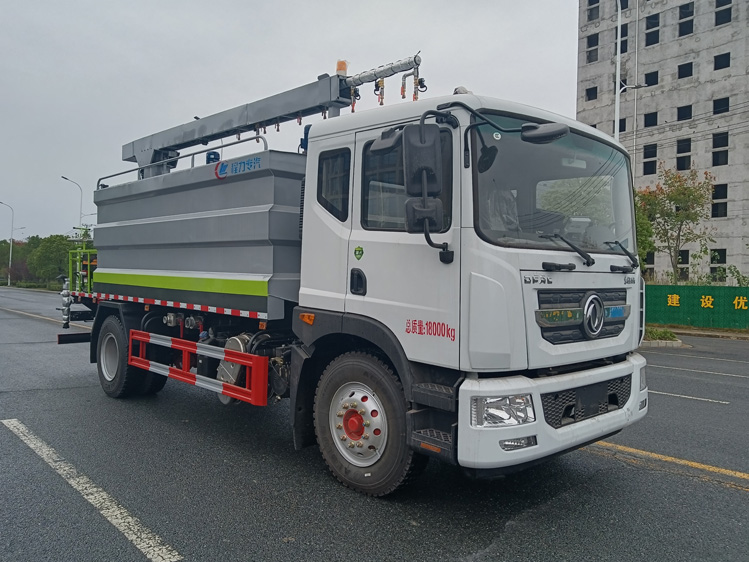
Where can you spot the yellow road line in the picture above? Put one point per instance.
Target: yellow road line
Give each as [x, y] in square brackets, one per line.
[674, 460]
[43, 318]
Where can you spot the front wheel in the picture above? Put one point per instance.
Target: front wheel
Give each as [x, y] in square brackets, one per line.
[360, 422]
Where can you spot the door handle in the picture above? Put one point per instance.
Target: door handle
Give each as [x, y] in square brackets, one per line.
[358, 282]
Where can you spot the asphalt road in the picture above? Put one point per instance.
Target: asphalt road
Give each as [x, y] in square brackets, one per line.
[84, 477]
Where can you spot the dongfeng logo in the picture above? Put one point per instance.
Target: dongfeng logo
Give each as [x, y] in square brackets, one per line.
[221, 170]
[593, 315]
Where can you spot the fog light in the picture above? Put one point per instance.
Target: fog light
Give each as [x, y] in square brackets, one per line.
[643, 380]
[643, 403]
[519, 443]
[497, 411]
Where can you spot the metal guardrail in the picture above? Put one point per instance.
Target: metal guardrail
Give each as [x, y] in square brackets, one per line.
[192, 155]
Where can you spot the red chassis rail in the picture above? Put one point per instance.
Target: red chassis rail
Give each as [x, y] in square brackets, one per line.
[256, 386]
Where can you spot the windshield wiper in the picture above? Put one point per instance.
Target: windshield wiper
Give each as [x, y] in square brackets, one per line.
[630, 255]
[585, 255]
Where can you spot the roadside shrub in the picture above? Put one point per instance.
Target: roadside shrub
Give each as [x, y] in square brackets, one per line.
[659, 334]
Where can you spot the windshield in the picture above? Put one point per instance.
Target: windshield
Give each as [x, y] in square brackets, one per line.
[576, 187]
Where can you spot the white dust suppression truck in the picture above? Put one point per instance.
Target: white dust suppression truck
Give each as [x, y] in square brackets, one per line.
[453, 278]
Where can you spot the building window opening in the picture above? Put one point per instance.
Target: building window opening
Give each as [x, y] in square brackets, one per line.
[685, 70]
[652, 29]
[686, 19]
[718, 264]
[683, 265]
[720, 157]
[625, 33]
[684, 113]
[591, 43]
[722, 16]
[722, 61]
[721, 105]
[649, 155]
[720, 201]
[593, 10]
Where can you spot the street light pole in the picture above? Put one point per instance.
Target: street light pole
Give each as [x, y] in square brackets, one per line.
[618, 92]
[10, 257]
[616, 112]
[80, 208]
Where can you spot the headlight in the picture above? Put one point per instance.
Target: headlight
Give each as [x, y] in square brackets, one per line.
[643, 379]
[494, 411]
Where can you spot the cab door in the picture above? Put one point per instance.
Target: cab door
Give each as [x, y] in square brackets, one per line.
[395, 277]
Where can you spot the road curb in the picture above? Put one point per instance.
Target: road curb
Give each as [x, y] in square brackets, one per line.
[661, 343]
[722, 335]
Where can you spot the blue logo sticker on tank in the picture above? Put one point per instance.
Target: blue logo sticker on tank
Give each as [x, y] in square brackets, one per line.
[223, 169]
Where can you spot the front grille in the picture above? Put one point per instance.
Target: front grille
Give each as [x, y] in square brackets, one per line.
[572, 297]
[563, 300]
[585, 402]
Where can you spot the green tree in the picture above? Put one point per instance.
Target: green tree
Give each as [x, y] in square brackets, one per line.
[4, 253]
[21, 252]
[676, 208]
[645, 241]
[50, 258]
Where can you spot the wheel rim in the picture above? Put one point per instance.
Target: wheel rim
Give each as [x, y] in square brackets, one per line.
[358, 424]
[110, 357]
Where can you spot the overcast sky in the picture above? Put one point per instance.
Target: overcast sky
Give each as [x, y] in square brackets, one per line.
[81, 78]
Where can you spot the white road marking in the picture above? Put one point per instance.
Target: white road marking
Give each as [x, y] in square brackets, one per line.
[689, 397]
[146, 541]
[694, 356]
[696, 371]
[43, 318]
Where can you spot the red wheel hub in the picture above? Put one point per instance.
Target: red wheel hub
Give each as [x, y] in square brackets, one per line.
[353, 425]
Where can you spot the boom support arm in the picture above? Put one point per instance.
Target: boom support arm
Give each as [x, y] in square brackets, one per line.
[315, 98]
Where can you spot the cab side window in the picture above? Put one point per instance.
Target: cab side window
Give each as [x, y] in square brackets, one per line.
[333, 172]
[384, 192]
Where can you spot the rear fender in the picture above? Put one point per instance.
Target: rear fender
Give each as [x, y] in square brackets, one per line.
[129, 314]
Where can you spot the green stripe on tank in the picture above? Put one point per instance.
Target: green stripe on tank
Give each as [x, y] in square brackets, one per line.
[202, 284]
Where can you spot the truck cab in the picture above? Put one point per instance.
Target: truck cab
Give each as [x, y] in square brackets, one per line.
[528, 333]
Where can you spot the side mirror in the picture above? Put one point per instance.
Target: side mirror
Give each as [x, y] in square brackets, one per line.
[419, 210]
[422, 160]
[388, 141]
[543, 134]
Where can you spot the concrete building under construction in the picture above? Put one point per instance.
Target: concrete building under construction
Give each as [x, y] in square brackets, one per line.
[684, 102]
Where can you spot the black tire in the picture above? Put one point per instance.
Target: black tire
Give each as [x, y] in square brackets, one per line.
[371, 453]
[117, 378]
[151, 383]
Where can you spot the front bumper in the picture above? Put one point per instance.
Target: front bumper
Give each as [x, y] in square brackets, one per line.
[478, 447]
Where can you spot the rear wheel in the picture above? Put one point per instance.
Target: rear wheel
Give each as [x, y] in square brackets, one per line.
[360, 422]
[151, 383]
[117, 378]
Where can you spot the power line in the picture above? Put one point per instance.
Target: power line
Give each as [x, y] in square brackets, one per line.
[671, 141]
